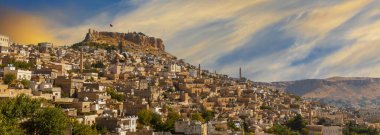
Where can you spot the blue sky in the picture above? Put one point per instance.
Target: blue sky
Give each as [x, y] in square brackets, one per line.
[270, 40]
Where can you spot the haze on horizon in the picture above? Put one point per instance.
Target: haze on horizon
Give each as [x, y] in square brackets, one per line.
[270, 40]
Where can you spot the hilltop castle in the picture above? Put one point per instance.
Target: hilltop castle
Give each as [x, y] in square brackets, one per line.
[115, 38]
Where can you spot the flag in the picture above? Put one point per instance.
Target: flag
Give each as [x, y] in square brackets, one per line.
[111, 25]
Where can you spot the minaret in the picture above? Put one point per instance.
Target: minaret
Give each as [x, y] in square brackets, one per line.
[240, 73]
[81, 59]
[199, 70]
[310, 115]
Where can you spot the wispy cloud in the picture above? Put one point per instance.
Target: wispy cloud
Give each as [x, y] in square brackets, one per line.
[271, 41]
[321, 20]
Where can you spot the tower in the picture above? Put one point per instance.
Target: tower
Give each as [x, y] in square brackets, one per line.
[310, 115]
[199, 70]
[240, 73]
[81, 59]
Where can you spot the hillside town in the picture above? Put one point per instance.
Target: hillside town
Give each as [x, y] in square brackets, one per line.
[126, 83]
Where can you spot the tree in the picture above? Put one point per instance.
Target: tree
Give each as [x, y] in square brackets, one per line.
[265, 107]
[171, 119]
[232, 125]
[353, 129]
[157, 122]
[145, 117]
[47, 121]
[101, 130]
[9, 78]
[149, 118]
[279, 130]
[13, 110]
[197, 117]
[82, 129]
[20, 107]
[325, 121]
[207, 115]
[25, 83]
[7, 128]
[98, 64]
[297, 123]
[114, 95]
[21, 64]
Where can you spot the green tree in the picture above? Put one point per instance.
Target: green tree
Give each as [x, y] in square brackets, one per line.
[171, 119]
[265, 107]
[354, 129]
[232, 125]
[25, 83]
[114, 95]
[197, 117]
[9, 78]
[297, 123]
[101, 130]
[207, 115]
[21, 64]
[47, 121]
[149, 118]
[98, 64]
[7, 128]
[82, 129]
[14, 110]
[19, 108]
[279, 130]
[157, 122]
[325, 121]
[145, 117]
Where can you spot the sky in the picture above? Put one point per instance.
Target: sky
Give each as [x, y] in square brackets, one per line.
[271, 40]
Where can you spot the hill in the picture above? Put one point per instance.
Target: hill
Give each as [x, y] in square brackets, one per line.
[133, 42]
[340, 91]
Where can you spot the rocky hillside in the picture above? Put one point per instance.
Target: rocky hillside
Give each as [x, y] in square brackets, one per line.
[134, 42]
[341, 91]
[115, 38]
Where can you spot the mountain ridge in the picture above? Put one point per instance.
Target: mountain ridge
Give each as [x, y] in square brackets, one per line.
[341, 91]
